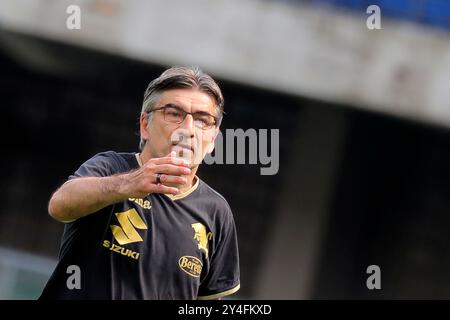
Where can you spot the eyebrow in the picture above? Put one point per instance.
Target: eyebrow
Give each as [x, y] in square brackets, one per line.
[174, 105]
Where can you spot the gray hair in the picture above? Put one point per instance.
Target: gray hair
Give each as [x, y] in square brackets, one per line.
[178, 78]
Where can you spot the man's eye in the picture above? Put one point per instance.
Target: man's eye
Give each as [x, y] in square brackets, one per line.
[174, 113]
[204, 120]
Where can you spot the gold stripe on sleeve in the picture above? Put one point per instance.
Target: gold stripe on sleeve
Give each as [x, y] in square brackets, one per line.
[220, 294]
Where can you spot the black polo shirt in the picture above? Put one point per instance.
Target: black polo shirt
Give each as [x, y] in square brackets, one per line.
[158, 247]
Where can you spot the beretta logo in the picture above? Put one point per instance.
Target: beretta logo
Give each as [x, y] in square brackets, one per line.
[191, 265]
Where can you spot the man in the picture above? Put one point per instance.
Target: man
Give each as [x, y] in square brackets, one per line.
[143, 225]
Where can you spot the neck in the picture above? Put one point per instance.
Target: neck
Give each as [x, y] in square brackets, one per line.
[191, 181]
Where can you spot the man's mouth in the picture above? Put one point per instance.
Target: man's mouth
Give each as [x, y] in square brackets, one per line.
[184, 146]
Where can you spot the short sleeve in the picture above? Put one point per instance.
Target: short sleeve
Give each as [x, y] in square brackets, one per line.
[223, 277]
[101, 165]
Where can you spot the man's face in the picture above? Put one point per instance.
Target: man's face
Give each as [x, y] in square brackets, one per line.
[189, 141]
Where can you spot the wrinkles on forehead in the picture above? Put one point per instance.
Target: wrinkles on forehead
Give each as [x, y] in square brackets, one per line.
[190, 100]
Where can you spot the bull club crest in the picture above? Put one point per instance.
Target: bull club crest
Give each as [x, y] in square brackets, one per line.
[202, 237]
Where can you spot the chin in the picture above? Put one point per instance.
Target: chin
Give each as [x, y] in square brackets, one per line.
[188, 155]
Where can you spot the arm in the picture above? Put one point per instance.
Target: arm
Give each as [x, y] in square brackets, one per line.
[82, 196]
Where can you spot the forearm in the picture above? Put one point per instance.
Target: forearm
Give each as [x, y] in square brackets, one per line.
[82, 196]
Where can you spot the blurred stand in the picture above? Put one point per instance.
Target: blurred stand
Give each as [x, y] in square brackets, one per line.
[23, 275]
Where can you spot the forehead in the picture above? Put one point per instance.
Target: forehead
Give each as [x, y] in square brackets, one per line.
[188, 99]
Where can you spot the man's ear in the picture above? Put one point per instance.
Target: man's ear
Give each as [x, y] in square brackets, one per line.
[211, 144]
[143, 124]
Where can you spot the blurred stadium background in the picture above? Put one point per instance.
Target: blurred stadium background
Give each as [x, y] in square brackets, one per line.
[364, 119]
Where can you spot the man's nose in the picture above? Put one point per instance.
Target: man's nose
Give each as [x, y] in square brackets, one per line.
[188, 125]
